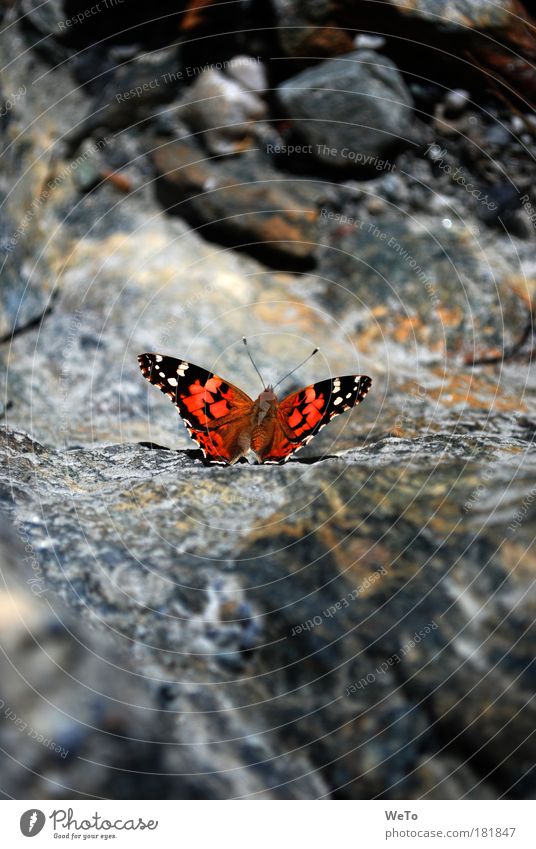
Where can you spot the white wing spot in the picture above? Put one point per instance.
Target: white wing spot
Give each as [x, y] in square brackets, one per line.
[338, 400]
[172, 381]
[158, 358]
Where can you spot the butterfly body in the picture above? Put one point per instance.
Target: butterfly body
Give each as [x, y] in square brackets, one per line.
[226, 423]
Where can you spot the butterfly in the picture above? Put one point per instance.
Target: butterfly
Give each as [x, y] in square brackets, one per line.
[226, 423]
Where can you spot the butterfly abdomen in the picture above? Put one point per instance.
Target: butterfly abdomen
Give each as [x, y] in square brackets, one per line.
[260, 437]
[263, 421]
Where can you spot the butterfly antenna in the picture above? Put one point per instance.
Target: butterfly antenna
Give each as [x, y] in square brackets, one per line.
[281, 379]
[245, 341]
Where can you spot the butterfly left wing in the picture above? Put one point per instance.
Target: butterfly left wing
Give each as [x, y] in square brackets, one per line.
[303, 413]
[215, 412]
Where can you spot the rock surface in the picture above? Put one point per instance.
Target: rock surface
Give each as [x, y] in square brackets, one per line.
[358, 622]
[477, 14]
[262, 598]
[223, 110]
[421, 34]
[348, 108]
[244, 203]
[324, 26]
[71, 711]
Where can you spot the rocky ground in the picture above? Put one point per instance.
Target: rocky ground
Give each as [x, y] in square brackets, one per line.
[358, 622]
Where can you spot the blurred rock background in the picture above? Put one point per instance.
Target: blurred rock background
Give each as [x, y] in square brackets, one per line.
[352, 175]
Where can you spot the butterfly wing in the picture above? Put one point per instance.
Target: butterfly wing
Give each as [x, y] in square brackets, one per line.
[303, 413]
[215, 412]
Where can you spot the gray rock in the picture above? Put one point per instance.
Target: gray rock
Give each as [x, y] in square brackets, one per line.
[127, 90]
[47, 18]
[356, 623]
[386, 263]
[461, 14]
[73, 717]
[349, 108]
[324, 27]
[239, 200]
[366, 41]
[300, 645]
[44, 25]
[30, 179]
[456, 101]
[222, 111]
[249, 72]
[306, 29]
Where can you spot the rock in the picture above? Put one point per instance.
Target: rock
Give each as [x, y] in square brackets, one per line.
[474, 14]
[440, 32]
[386, 265]
[72, 717]
[222, 112]
[74, 375]
[355, 623]
[77, 377]
[350, 108]
[47, 18]
[65, 376]
[43, 24]
[249, 72]
[481, 28]
[366, 41]
[327, 27]
[306, 29]
[29, 200]
[323, 632]
[241, 201]
[455, 102]
[499, 135]
[125, 89]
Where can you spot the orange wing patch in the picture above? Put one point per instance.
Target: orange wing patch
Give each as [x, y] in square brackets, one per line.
[216, 413]
[302, 414]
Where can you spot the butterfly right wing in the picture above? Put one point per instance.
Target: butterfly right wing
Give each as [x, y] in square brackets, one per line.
[215, 413]
[302, 414]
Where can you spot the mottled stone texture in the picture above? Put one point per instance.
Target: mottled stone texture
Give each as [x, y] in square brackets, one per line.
[314, 629]
[359, 622]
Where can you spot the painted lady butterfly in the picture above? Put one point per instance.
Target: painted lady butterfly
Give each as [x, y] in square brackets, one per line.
[226, 423]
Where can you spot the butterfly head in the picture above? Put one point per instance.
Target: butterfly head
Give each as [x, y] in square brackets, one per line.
[267, 402]
[268, 396]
